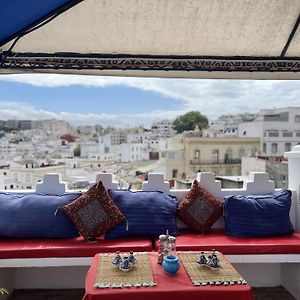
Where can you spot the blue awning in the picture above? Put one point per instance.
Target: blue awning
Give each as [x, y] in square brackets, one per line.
[19, 15]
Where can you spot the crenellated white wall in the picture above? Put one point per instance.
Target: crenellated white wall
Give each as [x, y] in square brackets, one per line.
[258, 182]
[294, 180]
[291, 272]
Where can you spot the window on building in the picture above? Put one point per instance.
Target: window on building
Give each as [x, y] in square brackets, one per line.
[297, 119]
[287, 147]
[297, 133]
[264, 147]
[274, 148]
[174, 173]
[171, 155]
[196, 154]
[241, 152]
[215, 156]
[273, 133]
[228, 156]
[278, 117]
[286, 133]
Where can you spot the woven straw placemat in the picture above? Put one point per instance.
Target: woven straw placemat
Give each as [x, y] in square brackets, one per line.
[110, 276]
[202, 275]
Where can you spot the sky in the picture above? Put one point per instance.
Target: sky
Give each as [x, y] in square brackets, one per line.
[128, 102]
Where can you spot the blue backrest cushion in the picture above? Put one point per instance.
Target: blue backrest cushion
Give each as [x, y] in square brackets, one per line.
[258, 215]
[34, 215]
[147, 213]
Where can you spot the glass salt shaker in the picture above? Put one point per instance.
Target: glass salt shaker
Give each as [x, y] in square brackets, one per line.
[172, 245]
[162, 244]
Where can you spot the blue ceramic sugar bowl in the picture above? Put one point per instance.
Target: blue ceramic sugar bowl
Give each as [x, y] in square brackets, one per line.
[171, 264]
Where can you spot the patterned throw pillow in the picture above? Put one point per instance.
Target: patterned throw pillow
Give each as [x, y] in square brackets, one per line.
[94, 212]
[199, 209]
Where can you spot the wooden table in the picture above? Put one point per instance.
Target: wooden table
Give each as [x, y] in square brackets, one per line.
[173, 287]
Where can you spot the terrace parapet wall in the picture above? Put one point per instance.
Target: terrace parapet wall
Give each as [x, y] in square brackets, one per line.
[294, 181]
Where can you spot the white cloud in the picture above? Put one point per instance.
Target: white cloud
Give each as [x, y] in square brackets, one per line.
[211, 97]
[11, 110]
[21, 111]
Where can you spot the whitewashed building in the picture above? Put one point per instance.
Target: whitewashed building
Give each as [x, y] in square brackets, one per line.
[162, 128]
[138, 137]
[227, 125]
[278, 129]
[7, 150]
[92, 150]
[131, 152]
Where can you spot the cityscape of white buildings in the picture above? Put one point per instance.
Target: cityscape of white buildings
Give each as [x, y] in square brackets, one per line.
[29, 149]
[278, 130]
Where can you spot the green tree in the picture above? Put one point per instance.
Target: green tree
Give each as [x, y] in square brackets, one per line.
[77, 151]
[189, 121]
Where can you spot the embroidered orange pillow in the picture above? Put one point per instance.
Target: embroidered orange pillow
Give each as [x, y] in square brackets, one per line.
[199, 209]
[94, 212]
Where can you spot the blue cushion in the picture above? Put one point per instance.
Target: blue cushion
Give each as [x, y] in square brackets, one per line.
[147, 213]
[33, 215]
[258, 215]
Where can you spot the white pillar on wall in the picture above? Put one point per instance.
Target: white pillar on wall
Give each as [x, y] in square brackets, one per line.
[294, 181]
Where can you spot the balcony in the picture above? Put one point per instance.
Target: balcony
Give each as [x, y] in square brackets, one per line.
[214, 162]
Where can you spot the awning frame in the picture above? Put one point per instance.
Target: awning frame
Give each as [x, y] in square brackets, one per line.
[77, 61]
